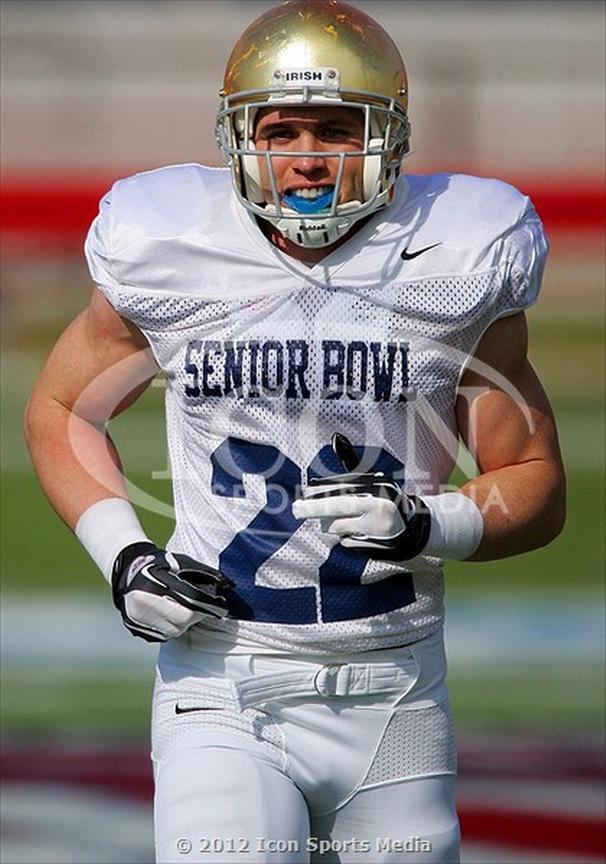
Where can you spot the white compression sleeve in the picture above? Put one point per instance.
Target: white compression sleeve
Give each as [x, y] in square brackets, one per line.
[106, 528]
[457, 526]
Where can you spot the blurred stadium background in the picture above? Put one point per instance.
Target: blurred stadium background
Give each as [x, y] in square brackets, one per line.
[92, 91]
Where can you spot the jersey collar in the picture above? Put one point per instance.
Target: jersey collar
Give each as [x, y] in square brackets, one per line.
[325, 269]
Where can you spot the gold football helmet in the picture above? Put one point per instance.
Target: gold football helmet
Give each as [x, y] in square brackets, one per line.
[315, 52]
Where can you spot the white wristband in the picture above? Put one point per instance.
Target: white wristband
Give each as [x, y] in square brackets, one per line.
[106, 528]
[457, 526]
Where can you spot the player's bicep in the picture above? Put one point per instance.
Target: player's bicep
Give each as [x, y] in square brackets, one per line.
[99, 366]
[505, 418]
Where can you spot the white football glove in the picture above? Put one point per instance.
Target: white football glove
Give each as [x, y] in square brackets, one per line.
[160, 595]
[368, 512]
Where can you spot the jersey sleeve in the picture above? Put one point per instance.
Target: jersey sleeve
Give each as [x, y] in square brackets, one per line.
[523, 255]
[98, 251]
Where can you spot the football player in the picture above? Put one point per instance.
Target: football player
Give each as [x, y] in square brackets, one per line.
[329, 328]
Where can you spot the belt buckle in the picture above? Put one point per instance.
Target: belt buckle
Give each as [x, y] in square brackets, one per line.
[326, 680]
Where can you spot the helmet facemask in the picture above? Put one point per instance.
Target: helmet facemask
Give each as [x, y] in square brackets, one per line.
[386, 133]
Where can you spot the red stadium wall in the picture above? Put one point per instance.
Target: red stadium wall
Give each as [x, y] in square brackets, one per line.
[51, 214]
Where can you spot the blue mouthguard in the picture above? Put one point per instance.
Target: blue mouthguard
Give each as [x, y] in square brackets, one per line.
[309, 205]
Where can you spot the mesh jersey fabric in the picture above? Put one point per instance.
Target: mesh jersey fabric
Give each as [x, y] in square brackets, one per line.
[416, 743]
[266, 358]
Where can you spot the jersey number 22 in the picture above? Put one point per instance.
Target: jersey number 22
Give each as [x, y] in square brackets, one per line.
[342, 594]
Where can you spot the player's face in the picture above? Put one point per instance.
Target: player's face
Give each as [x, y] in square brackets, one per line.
[323, 130]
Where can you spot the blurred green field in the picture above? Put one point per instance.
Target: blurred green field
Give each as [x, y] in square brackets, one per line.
[40, 557]
[114, 703]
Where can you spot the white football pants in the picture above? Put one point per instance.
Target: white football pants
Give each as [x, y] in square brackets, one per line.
[277, 758]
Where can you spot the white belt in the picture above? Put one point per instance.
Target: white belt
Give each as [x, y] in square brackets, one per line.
[333, 680]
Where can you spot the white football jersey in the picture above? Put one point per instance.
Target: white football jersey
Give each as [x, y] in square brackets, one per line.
[266, 358]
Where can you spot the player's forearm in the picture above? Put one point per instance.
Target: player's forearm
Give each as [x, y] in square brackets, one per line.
[76, 461]
[523, 506]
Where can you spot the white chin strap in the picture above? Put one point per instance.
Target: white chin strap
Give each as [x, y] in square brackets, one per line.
[312, 232]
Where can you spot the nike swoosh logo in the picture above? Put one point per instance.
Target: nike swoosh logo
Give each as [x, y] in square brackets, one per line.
[408, 256]
[179, 710]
